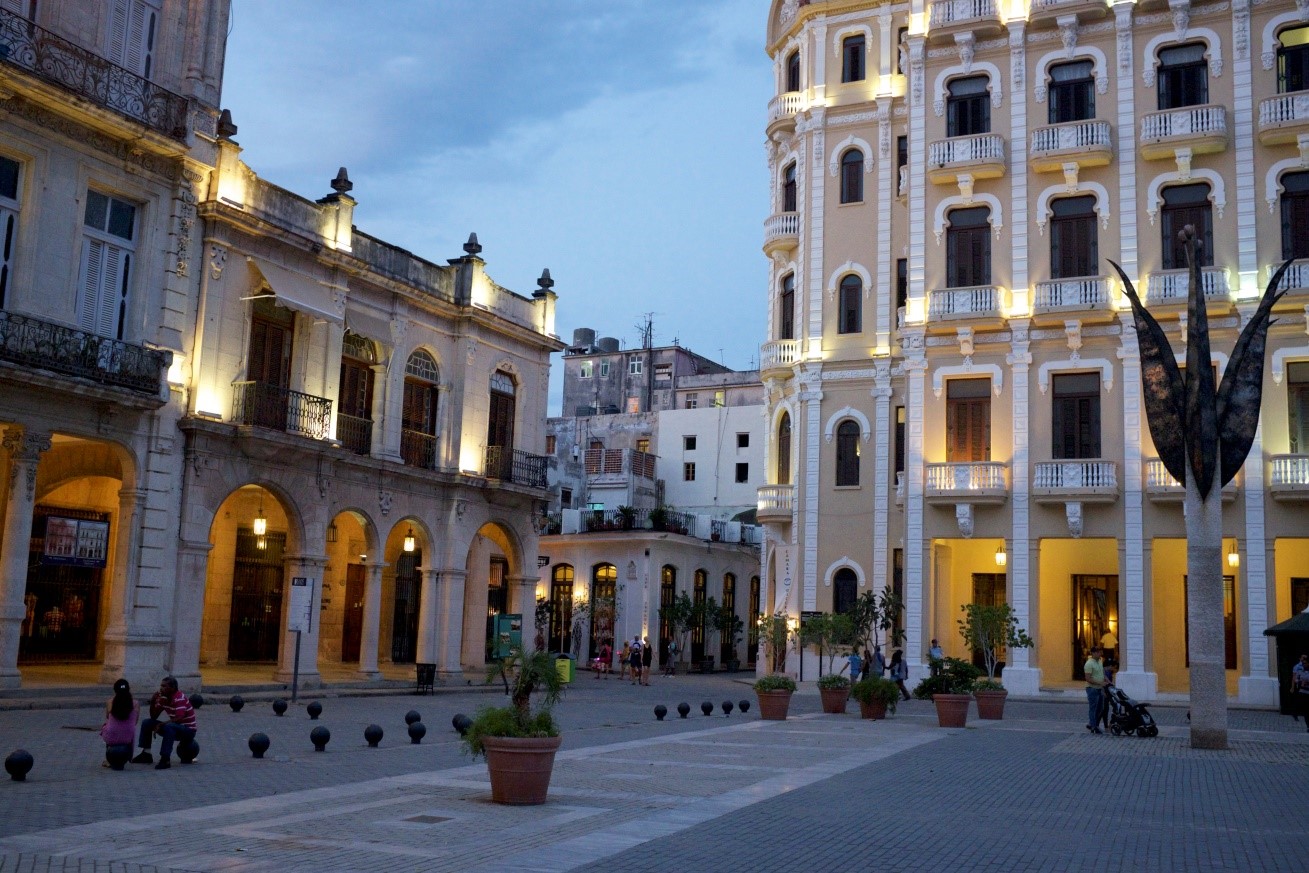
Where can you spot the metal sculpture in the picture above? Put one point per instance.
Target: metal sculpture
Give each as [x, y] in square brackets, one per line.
[1203, 433]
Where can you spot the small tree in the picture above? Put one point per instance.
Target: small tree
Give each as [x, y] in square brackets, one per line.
[706, 613]
[729, 627]
[543, 610]
[680, 615]
[775, 637]
[874, 614]
[828, 631]
[991, 630]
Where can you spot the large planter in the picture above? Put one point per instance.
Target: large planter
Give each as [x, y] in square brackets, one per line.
[773, 705]
[952, 709]
[834, 699]
[520, 768]
[990, 703]
[874, 709]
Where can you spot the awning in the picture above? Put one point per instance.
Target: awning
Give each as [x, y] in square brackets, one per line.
[376, 327]
[296, 291]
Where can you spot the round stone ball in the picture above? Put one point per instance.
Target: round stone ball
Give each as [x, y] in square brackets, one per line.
[373, 734]
[279, 706]
[314, 709]
[236, 701]
[259, 744]
[319, 736]
[417, 731]
[19, 764]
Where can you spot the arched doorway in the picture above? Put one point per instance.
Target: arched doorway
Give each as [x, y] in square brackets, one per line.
[491, 602]
[559, 632]
[604, 601]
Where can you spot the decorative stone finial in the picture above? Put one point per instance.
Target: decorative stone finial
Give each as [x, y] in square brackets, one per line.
[545, 283]
[226, 128]
[472, 247]
[342, 184]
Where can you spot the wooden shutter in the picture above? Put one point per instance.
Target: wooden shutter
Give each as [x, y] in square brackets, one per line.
[119, 15]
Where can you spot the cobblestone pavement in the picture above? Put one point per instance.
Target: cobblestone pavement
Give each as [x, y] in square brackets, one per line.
[1032, 792]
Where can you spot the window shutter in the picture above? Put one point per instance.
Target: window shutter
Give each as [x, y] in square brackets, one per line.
[118, 27]
[88, 301]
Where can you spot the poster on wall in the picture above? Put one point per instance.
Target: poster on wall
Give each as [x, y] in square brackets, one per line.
[75, 542]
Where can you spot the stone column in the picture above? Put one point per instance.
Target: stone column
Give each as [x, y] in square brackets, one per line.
[1020, 676]
[427, 616]
[311, 567]
[188, 611]
[24, 449]
[368, 637]
[450, 629]
[121, 601]
[523, 601]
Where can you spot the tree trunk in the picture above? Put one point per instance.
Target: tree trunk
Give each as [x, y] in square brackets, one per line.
[1204, 602]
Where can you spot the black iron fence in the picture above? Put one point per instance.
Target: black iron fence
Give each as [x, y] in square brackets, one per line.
[264, 405]
[354, 433]
[418, 449]
[36, 343]
[82, 71]
[512, 465]
[638, 519]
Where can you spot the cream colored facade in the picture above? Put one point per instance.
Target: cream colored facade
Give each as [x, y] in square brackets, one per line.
[963, 171]
[214, 387]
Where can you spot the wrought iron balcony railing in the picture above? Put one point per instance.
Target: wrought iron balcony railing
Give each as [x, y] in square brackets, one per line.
[355, 434]
[40, 344]
[263, 405]
[68, 65]
[512, 465]
[418, 449]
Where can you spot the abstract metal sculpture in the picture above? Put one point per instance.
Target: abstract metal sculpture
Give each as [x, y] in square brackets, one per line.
[1203, 433]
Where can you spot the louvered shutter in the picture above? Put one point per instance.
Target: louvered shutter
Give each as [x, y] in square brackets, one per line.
[88, 302]
[118, 28]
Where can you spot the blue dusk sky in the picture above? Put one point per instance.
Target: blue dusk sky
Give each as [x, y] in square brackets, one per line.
[618, 142]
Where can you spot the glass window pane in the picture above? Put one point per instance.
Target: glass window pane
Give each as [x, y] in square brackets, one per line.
[97, 209]
[9, 178]
[122, 216]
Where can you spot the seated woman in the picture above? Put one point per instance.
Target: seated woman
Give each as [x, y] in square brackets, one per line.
[119, 729]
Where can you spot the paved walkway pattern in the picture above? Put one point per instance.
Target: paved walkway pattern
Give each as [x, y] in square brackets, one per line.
[1033, 792]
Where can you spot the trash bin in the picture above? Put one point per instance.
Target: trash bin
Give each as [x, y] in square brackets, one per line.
[1292, 638]
[566, 667]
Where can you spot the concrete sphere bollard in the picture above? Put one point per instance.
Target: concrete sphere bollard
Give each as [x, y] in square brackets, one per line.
[188, 751]
[744, 706]
[279, 707]
[314, 709]
[417, 731]
[197, 700]
[661, 711]
[373, 734]
[707, 708]
[259, 744]
[19, 764]
[236, 701]
[319, 736]
[117, 755]
[412, 716]
[727, 707]
[683, 709]
[461, 723]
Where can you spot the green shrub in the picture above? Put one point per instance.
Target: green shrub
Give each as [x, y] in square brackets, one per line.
[956, 677]
[833, 681]
[876, 688]
[508, 721]
[775, 682]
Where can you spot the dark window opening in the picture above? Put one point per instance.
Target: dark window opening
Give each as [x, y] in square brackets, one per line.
[968, 107]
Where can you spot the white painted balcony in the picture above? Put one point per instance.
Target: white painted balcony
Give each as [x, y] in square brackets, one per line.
[980, 156]
[1073, 295]
[1283, 118]
[1202, 129]
[1083, 481]
[1052, 10]
[775, 503]
[1289, 477]
[1084, 143]
[781, 232]
[778, 355]
[1296, 278]
[782, 110]
[1170, 287]
[1161, 487]
[984, 482]
[949, 17]
[983, 301]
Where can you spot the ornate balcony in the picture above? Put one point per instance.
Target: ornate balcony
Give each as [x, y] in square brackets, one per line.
[1046, 11]
[949, 17]
[1081, 481]
[1295, 280]
[1289, 477]
[1084, 143]
[40, 345]
[776, 502]
[418, 449]
[512, 465]
[778, 355]
[781, 232]
[354, 434]
[1202, 129]
[260, 404]
[782, 110]
[1169, 287]
[1282, 119]
[1057, 298]
[953, 304]
[980, 482]
[1161, 487]
[53, 59]
[980, 156]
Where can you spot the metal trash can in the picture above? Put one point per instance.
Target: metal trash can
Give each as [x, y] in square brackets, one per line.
[566, 667]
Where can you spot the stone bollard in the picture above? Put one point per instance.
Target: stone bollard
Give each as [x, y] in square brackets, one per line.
[683, 709]
[314, 709]
[416, 732]
[461, 723]
[279, 707]
[319, 736]
[259, 744]
[236, 701]
[661, 711]
[188, 751]
[412, 716]
[373, 735]
[19, 764]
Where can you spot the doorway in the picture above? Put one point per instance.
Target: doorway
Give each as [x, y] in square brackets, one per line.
[404, 618]
[257, 581]
[61, 605]
[1095, 619]
[352, 622]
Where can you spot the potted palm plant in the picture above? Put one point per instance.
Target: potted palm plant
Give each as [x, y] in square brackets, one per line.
[519, 742]
[876, 696]
[774, 692]
[991, 630]
[951, 690]
[627, 517]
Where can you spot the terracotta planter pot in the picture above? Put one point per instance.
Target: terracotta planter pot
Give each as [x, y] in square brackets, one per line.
[834, 699]
[952, 709]
[875, 710]
[990, 704]
[773, 705]
[520, 768]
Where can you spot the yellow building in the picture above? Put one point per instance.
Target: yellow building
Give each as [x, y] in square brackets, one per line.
[218, 394]
[952, 375]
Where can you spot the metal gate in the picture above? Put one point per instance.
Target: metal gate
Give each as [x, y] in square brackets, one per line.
[257, 580]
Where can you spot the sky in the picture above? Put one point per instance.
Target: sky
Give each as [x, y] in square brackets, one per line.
[620, 143]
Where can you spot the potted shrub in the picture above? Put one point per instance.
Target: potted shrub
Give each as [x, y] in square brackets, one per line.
[729, 627]
[951, 690]
[774, 692]
[834, 689]
[991, 630]
[680, 615]
[627, 517]
[519, 742]
[876, 697]
[659, 518]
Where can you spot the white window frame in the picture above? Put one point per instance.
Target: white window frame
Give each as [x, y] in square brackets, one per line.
[9, 213]
[585, 370]
[604, 369]
[105, 274]
[692, 400]
[635, 366]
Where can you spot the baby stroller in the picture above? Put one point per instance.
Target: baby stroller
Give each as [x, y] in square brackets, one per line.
[1126, 716]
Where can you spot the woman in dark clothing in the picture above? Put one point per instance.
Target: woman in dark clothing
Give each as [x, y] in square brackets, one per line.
[899, 671]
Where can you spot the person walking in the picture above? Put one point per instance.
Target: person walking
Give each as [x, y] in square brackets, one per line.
[119, 729]
[647, 660]
[1300, 689]
[634, 656]
[1095, 682]
[867, 665]
[900, 672]
[879, 662]
[856, 665]
[624, 658]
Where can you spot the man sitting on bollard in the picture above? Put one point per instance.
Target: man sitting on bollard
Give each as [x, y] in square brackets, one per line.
[179, 728]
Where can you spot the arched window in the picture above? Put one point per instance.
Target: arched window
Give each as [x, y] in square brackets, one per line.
[667, 594]
[850, 317]
[604, 589]
[968, 106]
[1072, 92]
[418, 412]
[1295, 215]
[847, 453]
[968, 248]
[1183, 205]
[784, 450]
[1074, 238]
[500, 427]
[354, 411]
[698, 597]
[752, 627]
[559, 636]
[1183, 76]
[1293, 60]
[852, 176]
[786, 308]
[845, 590]
[789, 199]
[726, 643]
[793, 71]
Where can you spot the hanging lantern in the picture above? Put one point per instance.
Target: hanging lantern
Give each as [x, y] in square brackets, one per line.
[410, 542]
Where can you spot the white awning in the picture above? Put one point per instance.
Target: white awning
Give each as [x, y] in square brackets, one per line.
[296, 291]
[376, 327]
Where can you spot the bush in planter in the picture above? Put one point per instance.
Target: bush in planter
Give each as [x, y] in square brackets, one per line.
[833, 682]
[530, 673]
[991, 630]
[775, 682]
[876, 689]
[834, 689]
[956, 677]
